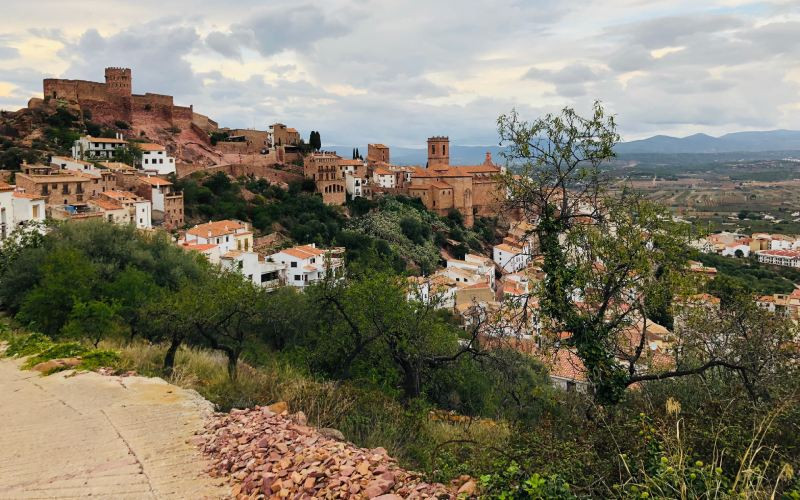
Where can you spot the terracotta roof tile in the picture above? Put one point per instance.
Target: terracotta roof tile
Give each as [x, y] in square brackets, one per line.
[214, 229]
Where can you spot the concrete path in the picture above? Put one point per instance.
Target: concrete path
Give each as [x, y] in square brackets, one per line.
[106, 437]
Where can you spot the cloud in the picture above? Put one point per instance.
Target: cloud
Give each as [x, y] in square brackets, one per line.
[396, 72]
[274, 29]
[571, 80]
[156, 51]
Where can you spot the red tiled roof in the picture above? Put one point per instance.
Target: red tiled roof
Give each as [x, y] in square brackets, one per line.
[781, 253]
[155, 181]
[214, 229]
[106, 204]
[303, 251]
[199, 247]
[150, 146]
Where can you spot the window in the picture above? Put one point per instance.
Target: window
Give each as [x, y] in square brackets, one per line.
[294, 264]
[297, 277]
[433, 148]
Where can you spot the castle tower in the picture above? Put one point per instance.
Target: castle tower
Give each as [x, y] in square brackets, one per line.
[438, 152]
[118, 81]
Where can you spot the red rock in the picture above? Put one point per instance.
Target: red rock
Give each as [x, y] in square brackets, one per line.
[467, 488]
[279, 407]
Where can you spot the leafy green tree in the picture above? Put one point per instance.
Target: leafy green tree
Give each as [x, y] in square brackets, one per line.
[132, 290]
[68, 278]
[604, 255]
[222, 311]
[368, 322]
[95, 320]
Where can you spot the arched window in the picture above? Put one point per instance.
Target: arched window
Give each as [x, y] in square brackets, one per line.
[444, 149]
[433, 148]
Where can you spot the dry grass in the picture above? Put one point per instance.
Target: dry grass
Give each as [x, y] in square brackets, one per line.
[366, 417]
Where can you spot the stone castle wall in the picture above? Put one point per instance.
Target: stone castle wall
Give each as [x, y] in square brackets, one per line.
[113, 100]
[74, 90]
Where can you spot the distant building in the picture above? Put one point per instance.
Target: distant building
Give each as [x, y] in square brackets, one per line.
[325, 168]
[88, 147]
[281, 135]
[384, 178]
[377, 153]
[226, 234]
[307, 264]
[156, 159]
[472, 190]
[254, 267]
[138, 211]
[786, 258]
[166, 202]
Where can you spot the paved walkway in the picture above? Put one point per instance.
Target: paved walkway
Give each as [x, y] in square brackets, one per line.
[105, 437]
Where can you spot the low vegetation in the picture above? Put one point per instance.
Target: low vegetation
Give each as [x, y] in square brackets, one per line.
[394, 232]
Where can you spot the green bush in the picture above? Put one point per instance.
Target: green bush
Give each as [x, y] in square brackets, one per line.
[99, 358]
[57, 351]
[27, 345]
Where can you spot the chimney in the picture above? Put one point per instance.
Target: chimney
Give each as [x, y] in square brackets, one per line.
[488, 160]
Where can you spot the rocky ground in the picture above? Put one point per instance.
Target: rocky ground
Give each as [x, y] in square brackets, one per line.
[266, 453]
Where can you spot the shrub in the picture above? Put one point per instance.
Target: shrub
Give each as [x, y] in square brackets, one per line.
[57, 351]
[99, 358]
[27, 345]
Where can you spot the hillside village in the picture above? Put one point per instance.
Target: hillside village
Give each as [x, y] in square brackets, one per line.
[468, 290]
[94, 182]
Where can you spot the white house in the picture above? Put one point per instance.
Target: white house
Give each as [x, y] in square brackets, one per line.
[781, 242]
[139, 211]
[383, 178]
[731, 249]
[306, 264]
[511, 258]
[76, 165]
[6, 210]
[209, 250]
[356, 186]
[227, 234]
[160, 189]
[475, 264]
[438, 287]
[97, 147]
[155, 158]
[27, 208]
[787, 258]
[17, 209]
[254, 267]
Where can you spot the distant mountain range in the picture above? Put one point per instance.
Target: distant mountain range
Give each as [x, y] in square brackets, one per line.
[772, 140]
[744, 142]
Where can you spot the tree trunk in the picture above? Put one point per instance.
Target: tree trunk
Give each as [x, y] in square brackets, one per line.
[169, 359]
[233, 360]
[411, 380]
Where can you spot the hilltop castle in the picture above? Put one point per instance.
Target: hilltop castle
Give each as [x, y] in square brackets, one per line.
[114, 100]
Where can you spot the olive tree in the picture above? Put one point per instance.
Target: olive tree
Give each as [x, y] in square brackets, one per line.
[612, 260]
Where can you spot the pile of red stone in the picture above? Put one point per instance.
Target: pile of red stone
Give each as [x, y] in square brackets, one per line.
[273, 455]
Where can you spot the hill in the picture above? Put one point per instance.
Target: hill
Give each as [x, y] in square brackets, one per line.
[757, 141]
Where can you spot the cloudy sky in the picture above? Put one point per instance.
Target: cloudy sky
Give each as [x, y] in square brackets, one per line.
[398, 71]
